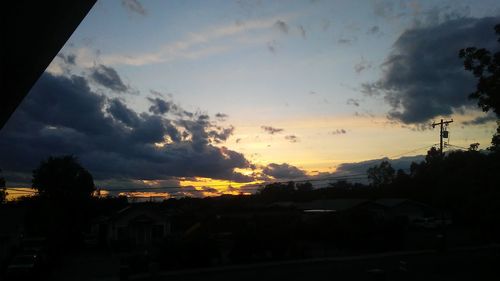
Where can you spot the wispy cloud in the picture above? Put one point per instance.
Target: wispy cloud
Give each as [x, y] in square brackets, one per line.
[292, 138]
[281, 26]
[134, 6]
[339, 132]
[271, 130]
[354, 102]
[197, 45]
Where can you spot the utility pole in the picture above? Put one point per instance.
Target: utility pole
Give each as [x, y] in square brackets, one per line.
[442, 133]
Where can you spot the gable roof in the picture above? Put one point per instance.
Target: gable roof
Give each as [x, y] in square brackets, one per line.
[133, 212]
[332, 204]
[391, 202]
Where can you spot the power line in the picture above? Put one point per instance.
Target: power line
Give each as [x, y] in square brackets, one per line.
[443, 133]
[457, 146]
[408, 152]
[179, 189]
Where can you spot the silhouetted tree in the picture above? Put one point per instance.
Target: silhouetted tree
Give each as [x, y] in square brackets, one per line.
[63, 178]
[65, 192]
[486, 67]
[304, 187]
[278, 191]
[3, 193]
[382, 174]
[474, 146]
[433, 155]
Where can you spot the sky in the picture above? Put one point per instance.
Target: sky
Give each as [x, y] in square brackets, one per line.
[210, 96]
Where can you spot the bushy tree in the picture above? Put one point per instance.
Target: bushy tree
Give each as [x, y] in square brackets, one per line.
[63, 178]
[65, 196]
[382, 174]
[485, 66]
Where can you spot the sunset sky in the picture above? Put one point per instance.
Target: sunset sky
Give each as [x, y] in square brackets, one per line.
[206, 94]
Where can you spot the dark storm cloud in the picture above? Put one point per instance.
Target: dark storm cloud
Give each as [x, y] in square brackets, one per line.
[108, 77]
[360, 168]
[62, 115]
[68, 59]
[161, 106]
[423, 76]
[292, 138]
[122, 113]
[220, 135]
[283, 171]
[481, 120]
[134, 6]
[271, 130]
[281, 26]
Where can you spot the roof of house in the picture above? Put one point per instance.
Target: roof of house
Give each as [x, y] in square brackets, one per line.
[332, 204]
[391, 202]
[132, 212]
[394, 202]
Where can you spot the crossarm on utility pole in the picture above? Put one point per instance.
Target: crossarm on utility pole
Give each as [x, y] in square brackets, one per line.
[441, 132]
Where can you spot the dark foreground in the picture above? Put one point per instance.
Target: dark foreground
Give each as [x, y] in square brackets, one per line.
[481, 263]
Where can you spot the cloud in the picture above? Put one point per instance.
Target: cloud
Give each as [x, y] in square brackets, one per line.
[423, 76]
[345, 41]
[354, 102]
[68, 59]
[384, 8]
[212, 40]
[108, 77]
[122, 113]
[292, 138]
[283, 171]
[134, 6]
[221, 116]
[374, 30]
[281, 26]
[160, 106]
[63, 115]
[302, 31]
[325, 24]
[481, 120]
[356, 171]
[271, 46]
[362, 65]
[271, 130]
[361, 167]
[339, 132]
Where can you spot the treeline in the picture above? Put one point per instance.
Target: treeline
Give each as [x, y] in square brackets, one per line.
[465, 183]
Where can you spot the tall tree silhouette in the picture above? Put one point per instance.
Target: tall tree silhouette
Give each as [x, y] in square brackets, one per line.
[65, 193]
[485, 65]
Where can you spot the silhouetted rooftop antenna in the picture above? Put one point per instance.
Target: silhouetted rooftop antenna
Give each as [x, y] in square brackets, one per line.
[443, 132]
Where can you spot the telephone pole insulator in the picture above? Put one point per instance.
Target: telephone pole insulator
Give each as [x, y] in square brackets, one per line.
[442, 133]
